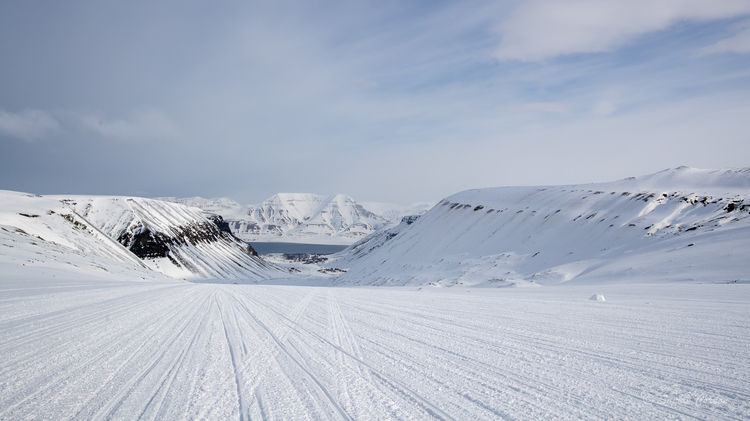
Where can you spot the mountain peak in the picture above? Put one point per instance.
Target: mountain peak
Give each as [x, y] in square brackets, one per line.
[303, 217]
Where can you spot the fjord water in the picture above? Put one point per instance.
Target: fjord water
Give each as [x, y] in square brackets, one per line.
[271, 247]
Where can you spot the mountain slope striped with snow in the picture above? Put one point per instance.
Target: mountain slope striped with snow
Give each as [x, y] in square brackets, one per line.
[682, 224]
[143, 237]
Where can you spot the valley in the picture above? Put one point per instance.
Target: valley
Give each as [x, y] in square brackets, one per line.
[627, 299]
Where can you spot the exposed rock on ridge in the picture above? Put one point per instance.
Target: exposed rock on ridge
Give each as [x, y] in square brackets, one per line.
[174, 239]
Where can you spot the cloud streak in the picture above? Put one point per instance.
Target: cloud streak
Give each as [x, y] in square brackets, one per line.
[543, 29]
[146, 124]
[535, 107]
[738, 43]
[28, 124]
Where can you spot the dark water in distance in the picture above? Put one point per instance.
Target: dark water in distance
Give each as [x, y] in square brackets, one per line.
[265, 248]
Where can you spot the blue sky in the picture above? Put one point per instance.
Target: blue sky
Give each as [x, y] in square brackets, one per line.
[384, 101]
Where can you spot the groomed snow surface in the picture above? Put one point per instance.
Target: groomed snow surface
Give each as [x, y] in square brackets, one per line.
[173, 350]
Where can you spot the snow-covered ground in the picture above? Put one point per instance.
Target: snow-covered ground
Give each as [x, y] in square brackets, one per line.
[154, 350]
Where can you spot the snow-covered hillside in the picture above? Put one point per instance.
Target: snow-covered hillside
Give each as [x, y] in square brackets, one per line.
[682, 224]
[147, 236]
[296, 217]
[40, 238]
[394, 213]
[226, 207]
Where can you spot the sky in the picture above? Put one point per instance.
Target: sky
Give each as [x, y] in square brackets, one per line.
[391, 101]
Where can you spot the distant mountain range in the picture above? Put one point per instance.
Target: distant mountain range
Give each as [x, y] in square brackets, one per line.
[678, 225]
[304, 217]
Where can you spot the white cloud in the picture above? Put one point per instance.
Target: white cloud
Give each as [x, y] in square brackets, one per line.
[542, 29]
[535, 107]
[739, 43]
[147, 123]
[28, 124]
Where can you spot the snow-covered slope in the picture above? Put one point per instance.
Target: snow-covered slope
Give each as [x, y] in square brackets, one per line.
[40, 237]
[394, 213]
[226, 207]
[177, 240]
[682, 224]
[135, 236]
[294, 217]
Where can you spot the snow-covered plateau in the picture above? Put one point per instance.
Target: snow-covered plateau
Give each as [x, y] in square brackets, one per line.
[131, 308]
[678, 225]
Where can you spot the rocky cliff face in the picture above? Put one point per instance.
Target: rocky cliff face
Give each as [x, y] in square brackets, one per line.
[174, 239]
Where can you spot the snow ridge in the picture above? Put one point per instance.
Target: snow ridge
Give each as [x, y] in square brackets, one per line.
[137, 237]
[173, 239]
[40, 237]
[682, 224]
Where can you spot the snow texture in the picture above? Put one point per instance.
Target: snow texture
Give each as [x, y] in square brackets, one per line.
[152, 350]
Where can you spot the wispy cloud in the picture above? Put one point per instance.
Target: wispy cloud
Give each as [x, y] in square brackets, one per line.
[738, 43]
[541, 29]
[146, 123]
[287, 85]
[28, 124]
[536, 107]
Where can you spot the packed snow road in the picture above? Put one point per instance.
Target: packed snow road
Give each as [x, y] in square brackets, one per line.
[106, 350]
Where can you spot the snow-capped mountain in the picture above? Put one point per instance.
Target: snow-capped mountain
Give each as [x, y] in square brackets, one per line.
[146, 235]
[394, 213]
[296, 217]
[226, 207]
[682, 224]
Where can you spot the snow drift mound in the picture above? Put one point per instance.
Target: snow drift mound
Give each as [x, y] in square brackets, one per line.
[682, 224]
[176, 240]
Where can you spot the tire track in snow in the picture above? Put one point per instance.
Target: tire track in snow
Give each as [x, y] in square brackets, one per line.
[83, 365]
[129, 387]
[236, 364]
[552, 346]
[257, 358]
[331, 402]
[95, 312]
[432, 409]
[165, 383]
